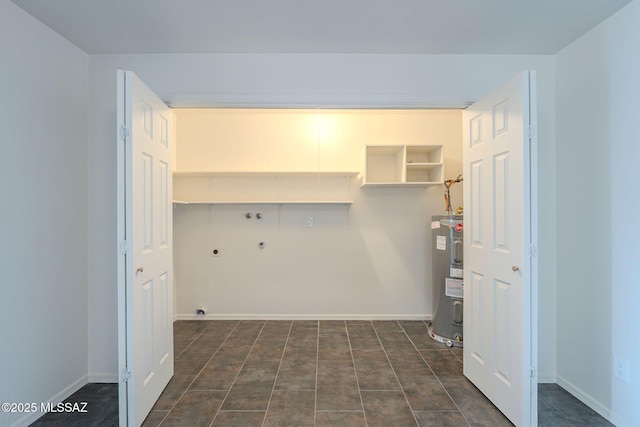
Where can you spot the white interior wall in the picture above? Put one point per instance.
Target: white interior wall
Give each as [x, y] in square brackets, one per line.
[623, 35]
[43, 306]
[300, 80]
[584, 217]
[598, 256]
[367, 260]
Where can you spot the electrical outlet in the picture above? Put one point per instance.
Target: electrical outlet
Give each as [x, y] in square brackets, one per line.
[621, 368]
[310, 221]
[215, 253]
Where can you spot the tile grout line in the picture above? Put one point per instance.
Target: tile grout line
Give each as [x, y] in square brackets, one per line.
[315, 400]
[275, 379]
[237, 374]
[355, 371]
[199, 372]
[194, 339]
[433, 372]
[394, 371]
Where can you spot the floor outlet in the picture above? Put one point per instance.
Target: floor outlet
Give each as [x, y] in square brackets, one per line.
[621, 369]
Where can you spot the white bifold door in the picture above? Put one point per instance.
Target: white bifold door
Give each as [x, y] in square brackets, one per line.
[145, 272]
[500, 270]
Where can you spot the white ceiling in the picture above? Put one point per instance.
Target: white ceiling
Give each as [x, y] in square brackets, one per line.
[322, 26]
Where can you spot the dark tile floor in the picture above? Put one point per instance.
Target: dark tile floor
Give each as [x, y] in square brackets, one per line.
[310, 373]
[558, 408]
[101, 409]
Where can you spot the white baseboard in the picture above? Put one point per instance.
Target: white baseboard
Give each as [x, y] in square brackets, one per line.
[103, 377]
[586, 399]
[303, 317]
[547, 379]
[617, 420]
[30, 417]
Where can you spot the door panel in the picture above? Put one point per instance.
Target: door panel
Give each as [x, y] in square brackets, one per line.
[497, 192]
[476, 204]
[473, 295]
[501, 202]
[145, 289]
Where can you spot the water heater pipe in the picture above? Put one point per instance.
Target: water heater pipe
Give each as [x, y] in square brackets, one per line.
[447, 194]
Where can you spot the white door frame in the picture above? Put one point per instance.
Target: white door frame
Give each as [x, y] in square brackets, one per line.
[533, 258]
[121, 233]
[121, 227]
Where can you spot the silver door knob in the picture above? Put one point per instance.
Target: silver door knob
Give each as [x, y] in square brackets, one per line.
[515, 268]
[139, 270]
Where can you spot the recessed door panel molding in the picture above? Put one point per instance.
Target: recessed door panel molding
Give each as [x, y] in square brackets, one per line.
[501, 202]
[147, 114]
[502, 332]
[165, 203]
[474, 294]
[163, 332]
[476, 202]
[475, 129]
[147, 332]
[147, 200]
[500, 115]
[164, 131]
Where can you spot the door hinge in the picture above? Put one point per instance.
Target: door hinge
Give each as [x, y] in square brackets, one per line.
[532, 373]
[533, 132]
[533, 250]
[124, 247]
[125, 375]
[124, 132]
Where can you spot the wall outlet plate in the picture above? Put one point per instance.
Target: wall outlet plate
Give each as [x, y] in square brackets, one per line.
[310, 221]
[621, 368]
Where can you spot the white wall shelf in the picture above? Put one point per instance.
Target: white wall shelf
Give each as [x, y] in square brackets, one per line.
[264, 202]
[266, 173]
[268, 187]
[403, 165]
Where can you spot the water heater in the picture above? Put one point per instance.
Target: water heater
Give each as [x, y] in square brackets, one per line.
[447, 268]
